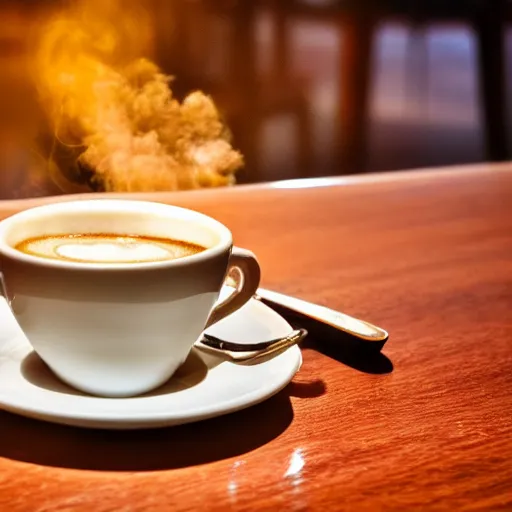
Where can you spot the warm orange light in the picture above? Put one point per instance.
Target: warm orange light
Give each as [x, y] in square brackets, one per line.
[114, 110]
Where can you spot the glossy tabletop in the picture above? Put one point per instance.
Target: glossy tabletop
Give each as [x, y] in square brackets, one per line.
[427, 424]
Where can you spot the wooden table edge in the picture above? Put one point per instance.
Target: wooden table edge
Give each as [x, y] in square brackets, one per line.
[366, 180]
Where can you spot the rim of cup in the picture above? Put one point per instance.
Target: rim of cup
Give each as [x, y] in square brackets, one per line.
[224, 243]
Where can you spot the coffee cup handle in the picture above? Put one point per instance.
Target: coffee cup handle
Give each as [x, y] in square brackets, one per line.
[248, 269]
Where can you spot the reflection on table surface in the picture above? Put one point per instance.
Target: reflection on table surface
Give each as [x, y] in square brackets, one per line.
[317, 88]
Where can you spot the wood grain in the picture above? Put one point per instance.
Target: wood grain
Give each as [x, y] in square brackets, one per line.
[426, 255]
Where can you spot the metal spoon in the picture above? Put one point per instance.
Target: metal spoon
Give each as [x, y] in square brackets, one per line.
[359, 329]
[341, 321]
[248, 351]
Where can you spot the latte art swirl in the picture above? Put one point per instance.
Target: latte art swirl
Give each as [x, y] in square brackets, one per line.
[107, 248]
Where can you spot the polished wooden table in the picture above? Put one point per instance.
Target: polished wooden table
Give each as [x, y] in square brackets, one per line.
[425, 425]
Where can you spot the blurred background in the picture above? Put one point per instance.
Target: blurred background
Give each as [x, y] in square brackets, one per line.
[309, 87]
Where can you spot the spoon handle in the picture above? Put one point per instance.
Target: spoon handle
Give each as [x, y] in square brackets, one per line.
[241, 352]
[232, 346]
[358, 328]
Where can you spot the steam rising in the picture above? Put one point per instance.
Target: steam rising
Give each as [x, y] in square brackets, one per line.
[112, 111]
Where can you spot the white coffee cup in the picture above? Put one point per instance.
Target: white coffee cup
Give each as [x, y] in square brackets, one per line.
[120, 329]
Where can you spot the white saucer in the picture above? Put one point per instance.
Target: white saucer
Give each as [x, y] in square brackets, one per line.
[204, 387]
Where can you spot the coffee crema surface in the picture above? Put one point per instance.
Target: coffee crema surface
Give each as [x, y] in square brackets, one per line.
[107, 248]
